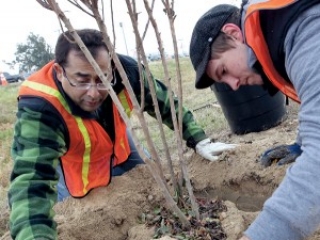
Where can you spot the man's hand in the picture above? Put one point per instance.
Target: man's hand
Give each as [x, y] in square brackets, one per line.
[283, 154]
[211, 150]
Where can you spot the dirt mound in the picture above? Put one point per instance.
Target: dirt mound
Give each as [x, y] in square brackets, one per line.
[108, 213]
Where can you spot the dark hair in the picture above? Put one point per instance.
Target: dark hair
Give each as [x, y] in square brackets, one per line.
[93, 39]
[224, 42]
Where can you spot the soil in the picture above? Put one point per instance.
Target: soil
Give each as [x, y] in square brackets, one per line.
[117, 212]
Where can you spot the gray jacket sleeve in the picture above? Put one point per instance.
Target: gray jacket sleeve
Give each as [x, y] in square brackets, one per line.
[293, 211]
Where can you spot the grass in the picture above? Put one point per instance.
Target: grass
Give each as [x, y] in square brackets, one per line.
[8, 106]
[8, 99]
[198, 102]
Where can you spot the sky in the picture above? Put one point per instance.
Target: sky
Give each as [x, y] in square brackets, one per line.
[19, 18]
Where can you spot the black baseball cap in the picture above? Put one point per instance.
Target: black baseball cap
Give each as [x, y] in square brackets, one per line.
[204, 33]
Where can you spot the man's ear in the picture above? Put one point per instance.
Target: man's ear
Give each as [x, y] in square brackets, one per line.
[233, 30]
[59, 71]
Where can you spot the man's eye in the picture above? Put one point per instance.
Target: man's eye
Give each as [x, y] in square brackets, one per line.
[82, 83]
[83, 80]
[98, 80]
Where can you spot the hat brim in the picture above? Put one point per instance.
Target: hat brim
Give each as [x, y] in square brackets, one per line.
[204, 82]
[202, 79]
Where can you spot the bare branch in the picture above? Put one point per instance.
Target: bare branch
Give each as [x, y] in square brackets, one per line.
[147, 24]
[76, 4]
[134, 21]
[45, 4]
[112, 21]
[171, 18]
[102, 10]
[151, 86]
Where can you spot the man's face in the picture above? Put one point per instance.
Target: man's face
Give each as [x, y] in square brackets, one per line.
[232, 68]
[78, 71]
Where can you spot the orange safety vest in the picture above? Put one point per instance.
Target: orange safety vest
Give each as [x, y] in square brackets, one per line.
[256, 40]
[88, 161]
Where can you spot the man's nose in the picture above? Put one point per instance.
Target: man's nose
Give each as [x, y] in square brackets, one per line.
[234, 83]
[93, 91]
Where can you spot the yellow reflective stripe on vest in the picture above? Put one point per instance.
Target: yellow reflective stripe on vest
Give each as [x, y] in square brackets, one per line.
[124, 102]
[48, 90]
[86, 157]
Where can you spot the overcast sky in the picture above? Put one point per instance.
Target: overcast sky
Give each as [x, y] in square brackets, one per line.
[20, 17]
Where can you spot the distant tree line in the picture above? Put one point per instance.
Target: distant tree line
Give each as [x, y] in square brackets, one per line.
[33, 54]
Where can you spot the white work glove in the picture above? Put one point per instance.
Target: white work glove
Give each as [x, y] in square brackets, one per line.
[211, 150]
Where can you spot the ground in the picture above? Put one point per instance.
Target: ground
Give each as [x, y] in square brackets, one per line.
[113, 212]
